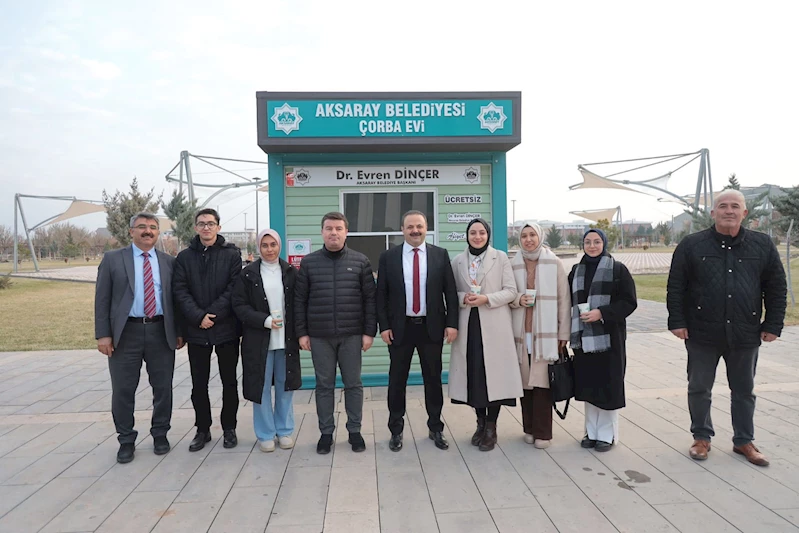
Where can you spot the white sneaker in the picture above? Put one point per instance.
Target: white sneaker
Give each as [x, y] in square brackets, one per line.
[267, 445]
[542, 444]
[528, 438]
[286, 442]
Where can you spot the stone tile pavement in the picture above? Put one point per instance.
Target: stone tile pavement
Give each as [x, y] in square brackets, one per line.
[58, 471]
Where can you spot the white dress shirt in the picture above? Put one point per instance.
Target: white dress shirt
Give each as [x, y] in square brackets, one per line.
[407, 274]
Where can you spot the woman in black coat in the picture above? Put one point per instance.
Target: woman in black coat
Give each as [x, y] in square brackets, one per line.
[603, 296]
[263, 299]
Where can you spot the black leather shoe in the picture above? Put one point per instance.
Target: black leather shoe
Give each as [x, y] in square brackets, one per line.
[439, 439]
[125, 453]
[395, 444]
[199, 440]
[324, 444]
[230, 439]
[587, 443]
[357, 442]
[161, 445]
[602, 446]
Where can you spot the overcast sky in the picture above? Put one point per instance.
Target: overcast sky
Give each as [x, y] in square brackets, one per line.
[93, 93]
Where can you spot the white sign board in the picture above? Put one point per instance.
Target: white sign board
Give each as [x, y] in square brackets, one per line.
[383, 176]
[457, 218]
[463, 199]
[298, 247]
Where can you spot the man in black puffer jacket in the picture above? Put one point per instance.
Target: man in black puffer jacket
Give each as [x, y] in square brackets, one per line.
[204, 276]
[336, 318]
[719, 282]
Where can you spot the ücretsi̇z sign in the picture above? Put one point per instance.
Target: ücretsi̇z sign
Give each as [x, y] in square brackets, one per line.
[375, 118]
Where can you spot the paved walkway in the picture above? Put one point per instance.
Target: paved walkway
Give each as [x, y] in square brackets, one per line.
[58, 471]
[638, 263]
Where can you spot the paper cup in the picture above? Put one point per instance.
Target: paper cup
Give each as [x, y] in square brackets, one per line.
[531, 293]
[475, 289]
[277, 316]
[584, 308]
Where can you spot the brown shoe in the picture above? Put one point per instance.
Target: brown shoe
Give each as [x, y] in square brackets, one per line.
[489, 439]
[752, 454]
[699, 449]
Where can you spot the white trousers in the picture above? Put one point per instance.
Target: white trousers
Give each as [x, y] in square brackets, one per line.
[600, 424]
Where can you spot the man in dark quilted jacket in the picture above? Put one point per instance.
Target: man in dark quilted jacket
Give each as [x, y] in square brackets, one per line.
[336, 318]
[720, 281]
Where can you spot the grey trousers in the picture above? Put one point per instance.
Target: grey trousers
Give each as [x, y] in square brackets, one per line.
[741, 364]
[346, 353]
[141, 342]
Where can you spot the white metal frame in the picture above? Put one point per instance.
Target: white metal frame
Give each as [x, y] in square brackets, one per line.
[372, 190]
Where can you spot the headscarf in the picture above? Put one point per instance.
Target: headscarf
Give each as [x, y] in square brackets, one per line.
[595, 260]
[532, 255]
[272, 233]
[478, 251]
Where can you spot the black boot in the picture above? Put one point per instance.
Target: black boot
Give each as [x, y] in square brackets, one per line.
[199, 440]
[489, 439]
[481, 429]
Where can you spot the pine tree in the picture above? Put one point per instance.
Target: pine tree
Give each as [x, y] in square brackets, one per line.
[788, 207]
[181, 212]
[554, 238]
[120, 207]
[733, 183]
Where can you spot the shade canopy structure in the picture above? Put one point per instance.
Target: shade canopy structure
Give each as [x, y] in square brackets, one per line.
[186, 178]
[653, 185]
[598, 214]
[76, 208]
[604, 214]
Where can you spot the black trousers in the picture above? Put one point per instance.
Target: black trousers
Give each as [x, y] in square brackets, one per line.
[415, 337]
[227, 356]
[141, 342]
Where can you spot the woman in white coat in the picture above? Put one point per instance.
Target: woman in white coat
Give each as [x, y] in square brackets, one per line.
[483, 369]
[541, 328]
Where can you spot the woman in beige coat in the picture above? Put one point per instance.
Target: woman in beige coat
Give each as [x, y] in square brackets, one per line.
[541, 328]
[483, 370]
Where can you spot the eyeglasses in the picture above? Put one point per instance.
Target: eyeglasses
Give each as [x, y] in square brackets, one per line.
[210, 225]
[142, 227]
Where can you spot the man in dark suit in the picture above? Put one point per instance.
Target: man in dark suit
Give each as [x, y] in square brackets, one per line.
[134, 321]
[417, 308]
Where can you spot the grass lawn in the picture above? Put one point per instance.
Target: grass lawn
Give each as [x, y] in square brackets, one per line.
[653, 287]
[47, 315]
[27, 265]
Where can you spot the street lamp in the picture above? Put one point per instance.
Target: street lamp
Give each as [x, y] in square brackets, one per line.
[257, 218]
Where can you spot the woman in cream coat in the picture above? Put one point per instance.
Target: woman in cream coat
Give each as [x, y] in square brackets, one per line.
[483, 369]
[541, 328]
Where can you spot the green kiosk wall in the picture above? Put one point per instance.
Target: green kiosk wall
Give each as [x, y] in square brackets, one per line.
[374, 156]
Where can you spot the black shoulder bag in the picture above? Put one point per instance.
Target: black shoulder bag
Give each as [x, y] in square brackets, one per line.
[561, 381]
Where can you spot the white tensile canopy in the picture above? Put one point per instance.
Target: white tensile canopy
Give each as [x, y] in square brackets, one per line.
[76, 208]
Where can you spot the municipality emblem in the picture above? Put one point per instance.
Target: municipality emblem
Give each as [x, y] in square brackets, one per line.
[302, 176]
[492, 117]
[287, 118]
[472, 175]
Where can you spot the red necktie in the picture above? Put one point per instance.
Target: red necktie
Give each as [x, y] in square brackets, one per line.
[149, 287]
[417, 298]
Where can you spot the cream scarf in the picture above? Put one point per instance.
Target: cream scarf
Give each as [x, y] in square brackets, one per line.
[545, 311]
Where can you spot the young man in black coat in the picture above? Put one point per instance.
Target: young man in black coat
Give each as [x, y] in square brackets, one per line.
[204, 276]
[719, 282]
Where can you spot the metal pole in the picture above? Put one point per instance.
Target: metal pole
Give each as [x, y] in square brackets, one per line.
[189, 183]
[513, 222]
[621, 225]
[788, 260]
[257, 229]
[16, 231]
[28, 235]
[180, 190]
[707, 169]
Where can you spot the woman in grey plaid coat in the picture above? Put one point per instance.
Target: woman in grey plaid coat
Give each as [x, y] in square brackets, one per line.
[603, 296]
